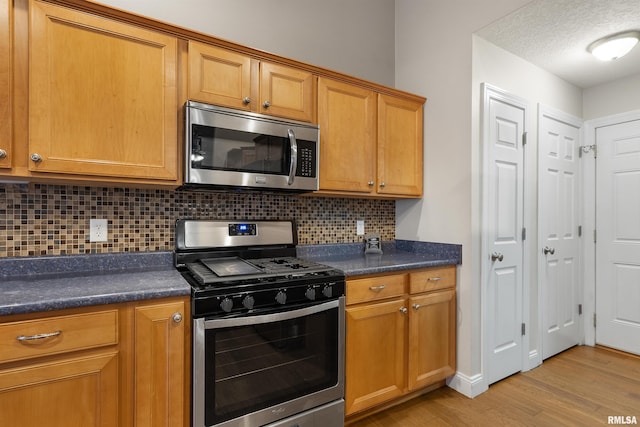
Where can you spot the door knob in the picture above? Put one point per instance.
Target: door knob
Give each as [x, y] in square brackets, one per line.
[497, 256]
[548, 250]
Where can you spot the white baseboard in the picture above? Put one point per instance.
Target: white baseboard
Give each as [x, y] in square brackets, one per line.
[469, 386]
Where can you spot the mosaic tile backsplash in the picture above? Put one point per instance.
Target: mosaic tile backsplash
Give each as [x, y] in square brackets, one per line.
[40, 219]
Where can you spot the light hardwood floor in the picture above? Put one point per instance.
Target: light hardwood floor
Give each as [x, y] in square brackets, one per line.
[581, 387]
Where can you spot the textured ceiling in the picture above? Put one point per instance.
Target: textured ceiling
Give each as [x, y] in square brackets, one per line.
[554, 34]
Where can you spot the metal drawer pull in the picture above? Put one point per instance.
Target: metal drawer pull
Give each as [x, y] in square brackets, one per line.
[416, 307]
[22, 338]
[434, 279]
[403, 310]
[497, 256]
[377, 288]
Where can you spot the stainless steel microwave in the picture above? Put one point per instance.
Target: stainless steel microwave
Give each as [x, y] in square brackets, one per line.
[232, 148]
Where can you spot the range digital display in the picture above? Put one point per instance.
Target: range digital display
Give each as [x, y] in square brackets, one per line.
[242, 229]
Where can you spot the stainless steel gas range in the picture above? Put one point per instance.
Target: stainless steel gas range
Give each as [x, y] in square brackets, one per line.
[268, 328]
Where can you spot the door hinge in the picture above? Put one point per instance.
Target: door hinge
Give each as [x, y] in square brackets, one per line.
[594, 320]
[587, 149]
[524, 233]
[579, 309]
[524, 329]
[579, 231]
[524, 138]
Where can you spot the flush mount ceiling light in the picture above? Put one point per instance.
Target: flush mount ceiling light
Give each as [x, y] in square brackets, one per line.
[614, 46]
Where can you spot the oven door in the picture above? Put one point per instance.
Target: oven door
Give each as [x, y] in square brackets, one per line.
[255, 370]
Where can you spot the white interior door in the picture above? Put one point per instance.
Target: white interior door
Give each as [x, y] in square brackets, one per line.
[558, 221]
[502, 263]
[618, 236]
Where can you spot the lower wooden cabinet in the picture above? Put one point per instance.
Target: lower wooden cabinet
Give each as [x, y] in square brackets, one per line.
[116, 365]
[159, 341]
[401, 335]
[376, 354]
[432, 332]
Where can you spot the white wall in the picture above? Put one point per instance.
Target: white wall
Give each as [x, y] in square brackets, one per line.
[437, 56]
[618, 96]
[355, 37]
[434, 59]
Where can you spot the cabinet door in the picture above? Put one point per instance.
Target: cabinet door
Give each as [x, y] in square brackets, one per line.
[347, 117]
[102, 96]
[5, 83]
[432, 338]
[220, 77]
[160, 364]
[286, 92]
[375, 354]
[400, 160]
[79, 391]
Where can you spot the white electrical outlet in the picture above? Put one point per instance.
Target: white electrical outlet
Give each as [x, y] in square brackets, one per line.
[98, 229]
[360, 227]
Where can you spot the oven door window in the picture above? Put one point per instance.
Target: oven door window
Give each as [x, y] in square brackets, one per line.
[248, 368]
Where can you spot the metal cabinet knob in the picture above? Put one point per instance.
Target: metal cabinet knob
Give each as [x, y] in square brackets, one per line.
[266, 104]
[382, 184]
[3, 154]
[177, 317]
[416, 307]
[497, 256]
[548, 250]
[246, 100]
[404, 310]
[35, 157]
[370, 183]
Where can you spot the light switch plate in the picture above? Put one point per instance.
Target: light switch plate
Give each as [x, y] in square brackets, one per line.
[98, 230]
[360, 227]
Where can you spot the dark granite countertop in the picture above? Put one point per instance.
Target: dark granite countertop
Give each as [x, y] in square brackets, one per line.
[52, 283]
[29, 285]
[397, 255]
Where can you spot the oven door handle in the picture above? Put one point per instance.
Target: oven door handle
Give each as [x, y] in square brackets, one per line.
[268, 318]
[293, 165]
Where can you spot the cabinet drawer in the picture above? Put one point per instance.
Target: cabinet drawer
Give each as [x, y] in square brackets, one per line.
[55, 335]
[375, 288]
[432, 279]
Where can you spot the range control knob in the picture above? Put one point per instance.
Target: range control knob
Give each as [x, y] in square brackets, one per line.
[310, 294]
[226, 304]
[327, 291]
[281, 297]
[248, 302]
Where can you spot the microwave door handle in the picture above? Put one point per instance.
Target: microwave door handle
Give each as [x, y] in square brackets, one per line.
[293, 144]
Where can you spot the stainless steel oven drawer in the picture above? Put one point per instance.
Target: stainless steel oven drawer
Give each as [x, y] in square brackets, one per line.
[329, 415]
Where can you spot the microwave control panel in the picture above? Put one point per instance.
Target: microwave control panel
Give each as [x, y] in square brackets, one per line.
[306, 159]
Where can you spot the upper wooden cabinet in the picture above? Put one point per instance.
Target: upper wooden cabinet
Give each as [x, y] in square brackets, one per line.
[400, 159]
[103, 97]
[222, 77]
[347, 119]
[6, 64]
[371, 143]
